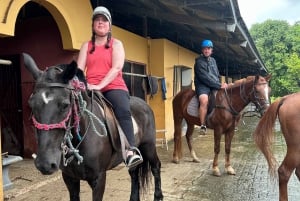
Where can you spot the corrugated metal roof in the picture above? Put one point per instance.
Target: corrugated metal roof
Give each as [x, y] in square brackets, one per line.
[187, 23]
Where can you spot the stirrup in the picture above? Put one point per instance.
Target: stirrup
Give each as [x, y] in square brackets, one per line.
[135, 159]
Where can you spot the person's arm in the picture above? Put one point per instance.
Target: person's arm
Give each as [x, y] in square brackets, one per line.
[81, 60]
[203, 74]
[118, 58]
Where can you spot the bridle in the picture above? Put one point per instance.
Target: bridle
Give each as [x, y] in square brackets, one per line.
[246, 98]
[75, 86]
[78, 107]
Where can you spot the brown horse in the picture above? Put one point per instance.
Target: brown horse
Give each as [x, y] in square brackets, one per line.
[287, 109]
[224, 116]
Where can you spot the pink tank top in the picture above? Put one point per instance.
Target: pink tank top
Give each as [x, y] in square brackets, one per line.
[98, 64]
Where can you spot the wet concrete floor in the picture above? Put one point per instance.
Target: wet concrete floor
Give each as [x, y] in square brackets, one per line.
[185, 181]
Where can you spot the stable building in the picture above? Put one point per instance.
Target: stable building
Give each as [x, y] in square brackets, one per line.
[161, 39]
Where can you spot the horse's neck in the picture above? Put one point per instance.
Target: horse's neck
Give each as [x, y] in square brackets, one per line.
[235, 98]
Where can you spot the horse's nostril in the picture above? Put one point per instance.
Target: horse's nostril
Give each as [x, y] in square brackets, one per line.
[44, 167]
[54, 166]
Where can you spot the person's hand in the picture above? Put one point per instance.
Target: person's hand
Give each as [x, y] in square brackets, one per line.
[224, 85]
[93, 86]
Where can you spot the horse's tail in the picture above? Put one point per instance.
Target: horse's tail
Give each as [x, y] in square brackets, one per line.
[144, 176]
[264, 136]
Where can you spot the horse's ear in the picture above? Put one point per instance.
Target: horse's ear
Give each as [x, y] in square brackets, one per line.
[268, 77]
[70, 71]
[256, 78]
[31, 66]
[81, 76]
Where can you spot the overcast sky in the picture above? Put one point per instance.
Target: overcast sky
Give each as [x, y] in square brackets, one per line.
[257, 11]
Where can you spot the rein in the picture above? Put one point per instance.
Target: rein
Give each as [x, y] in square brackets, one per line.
[243, 96]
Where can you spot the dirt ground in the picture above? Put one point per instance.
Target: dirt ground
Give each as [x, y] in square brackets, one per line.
[29, 184]
[185, 181]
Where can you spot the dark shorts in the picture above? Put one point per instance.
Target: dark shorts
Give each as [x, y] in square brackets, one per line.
[202, 90]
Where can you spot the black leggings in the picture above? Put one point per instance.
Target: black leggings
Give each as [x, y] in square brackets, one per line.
[121, 107]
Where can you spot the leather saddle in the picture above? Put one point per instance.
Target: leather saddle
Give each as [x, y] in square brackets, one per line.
[111, 123]
[193, 105]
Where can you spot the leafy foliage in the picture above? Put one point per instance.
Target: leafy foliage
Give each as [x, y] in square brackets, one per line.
[279, 46]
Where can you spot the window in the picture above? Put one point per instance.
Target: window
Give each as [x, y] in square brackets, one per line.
[133, 74]
[182, 78]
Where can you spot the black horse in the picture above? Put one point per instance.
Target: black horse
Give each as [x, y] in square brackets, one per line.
[74, 133]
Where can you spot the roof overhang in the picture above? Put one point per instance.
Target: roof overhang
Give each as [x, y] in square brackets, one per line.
[187, 23]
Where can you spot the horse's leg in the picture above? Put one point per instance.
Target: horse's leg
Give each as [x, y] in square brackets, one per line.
[297, 172]
[217, 140]
[285, 171]
[73, 186]
[98, 186]
[158, 196]
[155, 169]
[228, 140]
[284, 174]
[177, 153]
[135, 185]
[189, 139]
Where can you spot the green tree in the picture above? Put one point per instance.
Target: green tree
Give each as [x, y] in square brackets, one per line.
[271, 41]
[291, 80]
[293, 37]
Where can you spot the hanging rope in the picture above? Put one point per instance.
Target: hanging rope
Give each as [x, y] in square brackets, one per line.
[92, 117]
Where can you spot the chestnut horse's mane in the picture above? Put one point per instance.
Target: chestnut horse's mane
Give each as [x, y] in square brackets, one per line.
[241, 80]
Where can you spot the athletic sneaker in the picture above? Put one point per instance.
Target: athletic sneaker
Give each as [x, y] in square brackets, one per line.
[135, 159]
[202, 130]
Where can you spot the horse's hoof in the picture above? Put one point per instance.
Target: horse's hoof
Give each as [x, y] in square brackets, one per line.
[216, 172]
[175, 161]
[230, 170]
[194, 156]
[196, 160]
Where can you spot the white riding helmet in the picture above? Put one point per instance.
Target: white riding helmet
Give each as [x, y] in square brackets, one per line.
[100, 10]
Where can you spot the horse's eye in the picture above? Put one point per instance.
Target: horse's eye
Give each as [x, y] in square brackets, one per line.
[64, 104]
[32, 101]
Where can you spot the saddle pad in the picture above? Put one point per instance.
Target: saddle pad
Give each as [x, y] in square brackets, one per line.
[193, 107]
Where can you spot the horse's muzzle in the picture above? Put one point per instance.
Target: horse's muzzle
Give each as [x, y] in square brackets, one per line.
[46, 167]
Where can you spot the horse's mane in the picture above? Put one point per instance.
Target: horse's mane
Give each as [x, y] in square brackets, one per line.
[251, 77]
[237, 83]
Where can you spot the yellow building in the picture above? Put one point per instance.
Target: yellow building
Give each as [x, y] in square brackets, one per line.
[160, 57]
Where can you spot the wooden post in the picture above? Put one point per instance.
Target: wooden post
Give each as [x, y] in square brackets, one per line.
[2, 62]
[1, 179]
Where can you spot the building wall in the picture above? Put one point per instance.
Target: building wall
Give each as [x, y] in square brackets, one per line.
[164, 55]
[65, 13]
[65, 33]
[135, 46]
